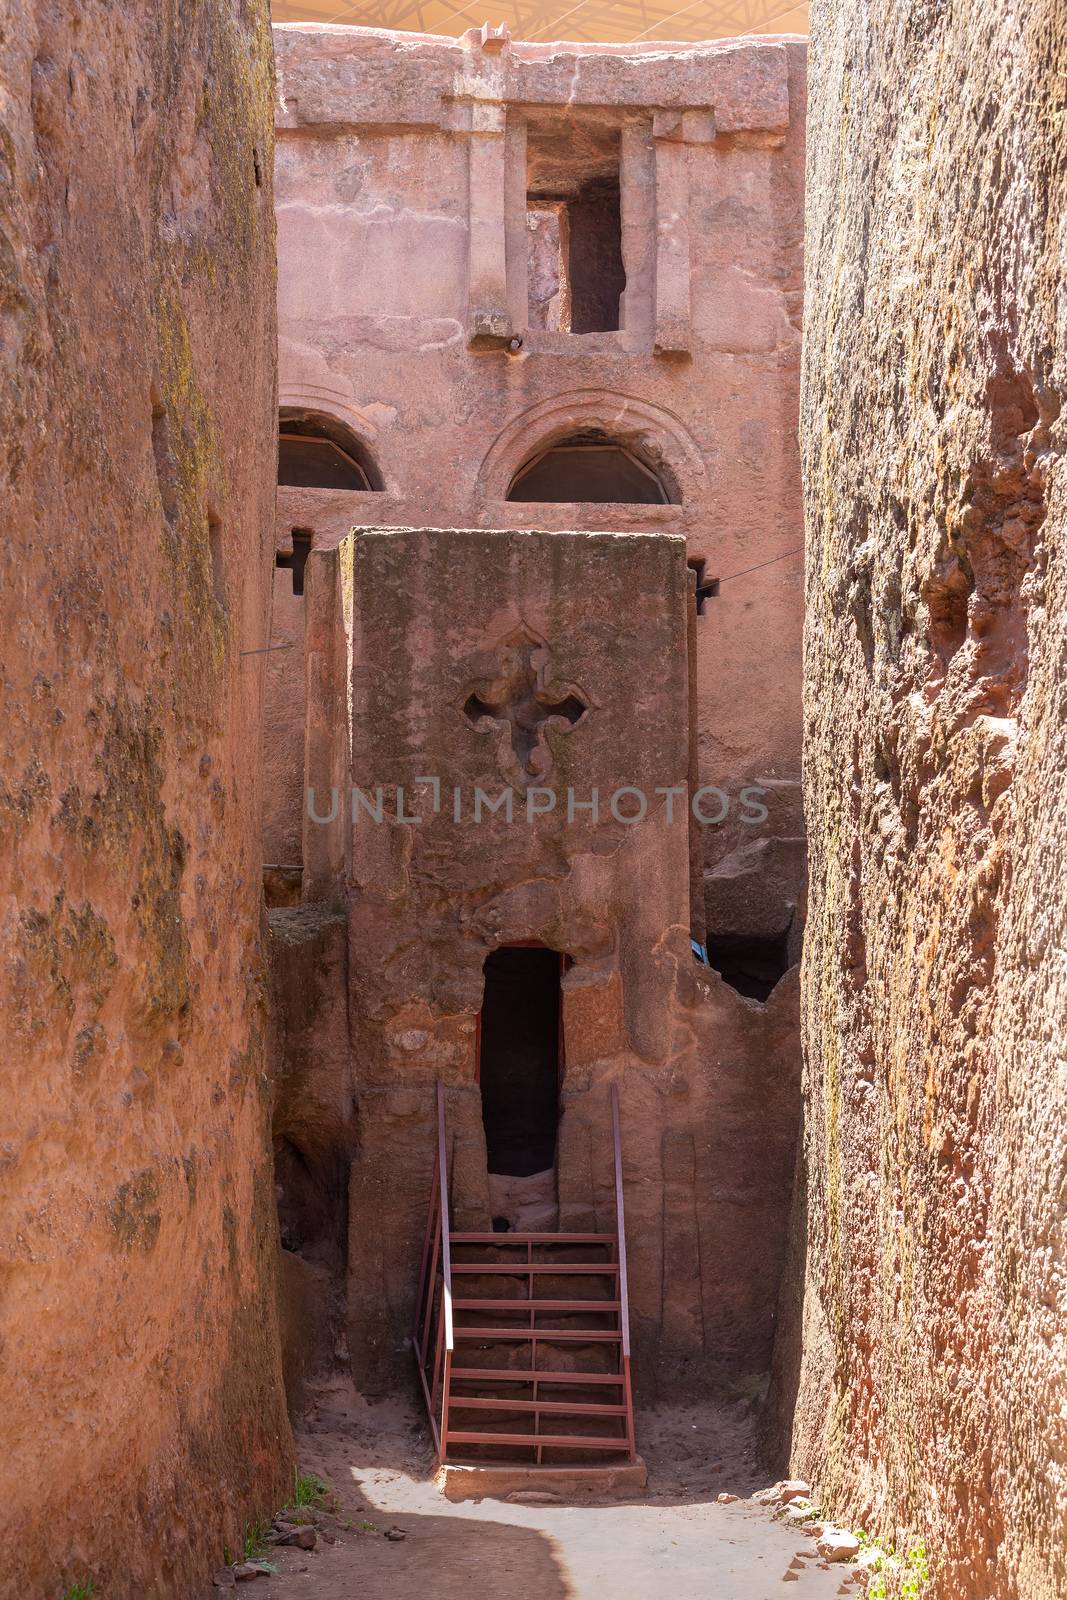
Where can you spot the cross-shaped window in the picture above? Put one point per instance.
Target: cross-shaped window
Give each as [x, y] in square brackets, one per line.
[520, 697]
[297, 561]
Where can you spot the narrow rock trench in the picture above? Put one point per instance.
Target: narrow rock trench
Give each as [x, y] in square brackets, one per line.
[386, 1530]
[533, 661]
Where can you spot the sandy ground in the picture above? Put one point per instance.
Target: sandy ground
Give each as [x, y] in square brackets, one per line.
[672, 1543]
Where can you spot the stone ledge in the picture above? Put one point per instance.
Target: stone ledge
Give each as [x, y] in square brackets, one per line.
[348, 77]
[496, 1480]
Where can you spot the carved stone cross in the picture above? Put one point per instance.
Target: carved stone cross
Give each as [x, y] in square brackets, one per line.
[519, 697]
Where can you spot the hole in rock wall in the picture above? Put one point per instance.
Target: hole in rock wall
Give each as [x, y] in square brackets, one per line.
[166, 470]
[749, 964]
[316, 452]
[706, 588]
[311, 1186]
[519, 1059]
[297, 561]
[525, 713]
[588, 467]
[218, 569]
[575, 271]
[597, 277]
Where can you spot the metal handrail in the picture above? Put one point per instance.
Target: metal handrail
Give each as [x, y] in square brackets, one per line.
[620, 1223]
[427, 1272]
[435, 1369]
[446, 1248]
[624, 1292]
[448, 1341]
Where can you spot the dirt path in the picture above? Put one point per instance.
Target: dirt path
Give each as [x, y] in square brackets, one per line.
[674, 1543]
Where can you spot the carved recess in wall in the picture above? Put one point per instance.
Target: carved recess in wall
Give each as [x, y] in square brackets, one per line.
[519, 701]
[655, 434]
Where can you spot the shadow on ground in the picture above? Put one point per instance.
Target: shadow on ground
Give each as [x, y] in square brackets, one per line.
[672, 1543]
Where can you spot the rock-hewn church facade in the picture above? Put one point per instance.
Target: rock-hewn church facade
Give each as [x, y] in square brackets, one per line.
[532, 755]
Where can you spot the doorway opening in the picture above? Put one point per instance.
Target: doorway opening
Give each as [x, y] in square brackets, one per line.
[519, 1069]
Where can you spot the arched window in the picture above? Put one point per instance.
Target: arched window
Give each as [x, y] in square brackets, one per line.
[316, 452]
[588, 467]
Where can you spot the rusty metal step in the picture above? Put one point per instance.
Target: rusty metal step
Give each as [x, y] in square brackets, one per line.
[531, 1375]
[508, 1239]
[550, 1335]
[519, 1269]
[569, 1408]
[548, 1441]
[578, 1307]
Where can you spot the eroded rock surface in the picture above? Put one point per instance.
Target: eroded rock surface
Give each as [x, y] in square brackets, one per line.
[143, 1424]
[933, 1383]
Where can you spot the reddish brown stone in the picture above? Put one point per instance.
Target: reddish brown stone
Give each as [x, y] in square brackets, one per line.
[933, 1383]
[384, 179]
[143, 1425]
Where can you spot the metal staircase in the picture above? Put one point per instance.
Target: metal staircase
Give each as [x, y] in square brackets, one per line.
[530, 1362]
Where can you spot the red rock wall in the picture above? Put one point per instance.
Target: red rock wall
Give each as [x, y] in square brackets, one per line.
[142, 1422]
[933, 1385]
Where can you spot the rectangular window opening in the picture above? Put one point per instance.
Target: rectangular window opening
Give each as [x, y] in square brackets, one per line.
[575, 271]
[296, 561]
[706, 588]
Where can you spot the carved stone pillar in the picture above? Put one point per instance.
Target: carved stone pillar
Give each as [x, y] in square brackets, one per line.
[488, 317]
[672, 235]
[637, 193]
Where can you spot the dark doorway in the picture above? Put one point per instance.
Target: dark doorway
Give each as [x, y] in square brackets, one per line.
[520, 1059]
[594, 257]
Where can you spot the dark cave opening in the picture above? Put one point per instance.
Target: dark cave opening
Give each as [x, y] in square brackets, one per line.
[751, 965]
